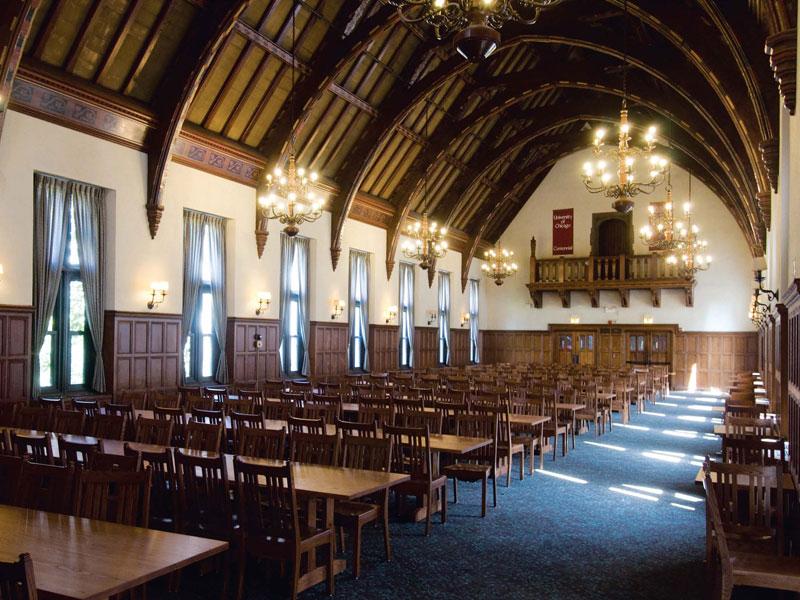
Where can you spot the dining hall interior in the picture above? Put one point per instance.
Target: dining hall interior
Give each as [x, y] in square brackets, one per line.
[399, 299]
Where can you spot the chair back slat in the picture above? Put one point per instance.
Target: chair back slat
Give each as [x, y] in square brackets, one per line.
[267, 501]
[262, 443]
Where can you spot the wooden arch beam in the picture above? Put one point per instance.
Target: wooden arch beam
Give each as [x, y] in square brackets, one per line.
[332, 56]
[16, 17]
[692, 129]
[176, 91]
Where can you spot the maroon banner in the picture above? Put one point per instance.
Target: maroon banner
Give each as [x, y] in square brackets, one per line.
[563, 221]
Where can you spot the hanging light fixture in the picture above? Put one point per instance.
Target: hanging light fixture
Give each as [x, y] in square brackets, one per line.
[475, 23]
[690, 251]
[427, 243]
[624, 171]
[661, 232]
[289, 195]
[499, 264]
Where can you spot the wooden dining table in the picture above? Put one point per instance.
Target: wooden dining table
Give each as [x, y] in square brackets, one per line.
[87, 559]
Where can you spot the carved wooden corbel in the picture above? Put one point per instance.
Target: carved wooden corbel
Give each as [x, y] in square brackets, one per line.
[782, 50]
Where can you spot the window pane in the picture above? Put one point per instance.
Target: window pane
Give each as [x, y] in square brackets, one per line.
[187, 358]
[357, 353]
[46, 362]
[206, 358]
[294, 354]
[77, 306]
[205, 261]
[206, 312]
[76, 359]
[294, 310]
[72, 242]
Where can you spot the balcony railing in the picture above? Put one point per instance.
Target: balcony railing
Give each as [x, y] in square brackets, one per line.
[617, 273]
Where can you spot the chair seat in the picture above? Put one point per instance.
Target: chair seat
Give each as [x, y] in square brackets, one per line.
[776, 572]
[468, 471]
[349, 510]
[524, 440]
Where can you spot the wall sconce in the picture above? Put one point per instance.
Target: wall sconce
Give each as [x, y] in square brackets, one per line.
[2, 271]
[464, 319]
[391, 314]
[574, 320]
[158, 292]
[264, 300]
[648, 320]
[338, 309]
[432, 314]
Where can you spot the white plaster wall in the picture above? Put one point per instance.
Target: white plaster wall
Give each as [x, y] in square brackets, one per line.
[30, 144]
[722, 294]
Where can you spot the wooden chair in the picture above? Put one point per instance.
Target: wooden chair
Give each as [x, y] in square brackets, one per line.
[239, 405]
[203, 436]
[8, 411]
[45, 487]
[33, 417]
[419, 419]
[372, 454]
[255, 397]
[10, 467]
[178, 418]
[52, 402]
[479, 464]
[123, 410]
[204, 502]
[322, 407]
[16, 579]
[313, 448]
[138, 399]
[163, 488]
[76, 449]
[171, 399]
[353, 428]
[240, 420]
[38, 446]
[300, 425]
[412, 454]
[212, 416]
[739, 568]
[743, 427]
[380, 412]
[450, 410]
[87, 406]
[507, 448]
[276, 410]
[592, 413]
[102, 461]
[107, 427]
[754, 451]
[217, 394]
[556, 426]
[68, 421]
[153, 431]
[262, 443]
[270, 524]
[115, 496]
[750, 504]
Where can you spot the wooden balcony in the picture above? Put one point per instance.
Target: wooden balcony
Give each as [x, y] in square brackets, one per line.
[591, 274]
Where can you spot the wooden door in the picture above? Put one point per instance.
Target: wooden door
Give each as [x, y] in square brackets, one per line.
[611, 348]
[585, 348]
[612, 238]
[660, 347]
[637, 347]
[565, 348]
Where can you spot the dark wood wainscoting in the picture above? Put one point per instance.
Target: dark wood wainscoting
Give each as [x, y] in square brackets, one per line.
[717, 356]
[328, 349]
[517, 346]
[246, 362]
[16, 331]
[791, 300]
[384, 353]
[459, 347]
[142, 351]
[426, 347]
[714, 356]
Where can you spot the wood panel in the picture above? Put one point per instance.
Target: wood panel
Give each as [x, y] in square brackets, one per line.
[426, 347]
[611, 348]
[792, 374]
[517, 346]
[15, 351]
[459, 347]
[384, 342]
[247, 363]
[714, 356]
[142, 351]
[328, 349]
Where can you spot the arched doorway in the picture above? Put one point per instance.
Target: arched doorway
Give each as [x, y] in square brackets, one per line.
[612, 236]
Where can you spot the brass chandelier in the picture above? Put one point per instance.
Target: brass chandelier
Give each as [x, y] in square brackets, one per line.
[427, 243]
[662, 232]
[499, 264]
[475, 23]
[624, 171]
[290, 197]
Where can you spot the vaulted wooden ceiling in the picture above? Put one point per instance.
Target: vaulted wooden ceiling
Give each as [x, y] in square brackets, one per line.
[366, 83]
